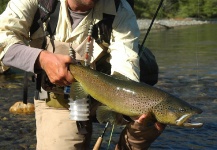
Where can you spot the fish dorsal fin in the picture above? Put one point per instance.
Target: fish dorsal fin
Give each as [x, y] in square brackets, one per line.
[106, 114]
[119, 76]
[77, 91]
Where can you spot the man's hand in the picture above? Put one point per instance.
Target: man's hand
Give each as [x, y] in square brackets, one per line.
[139, 134]
[56, 67]
[143, 121]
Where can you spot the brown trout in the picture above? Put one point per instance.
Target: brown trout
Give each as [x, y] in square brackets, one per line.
[133, 99]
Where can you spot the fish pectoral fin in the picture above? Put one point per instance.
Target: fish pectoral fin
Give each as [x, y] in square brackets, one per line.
[77, 91]
[106, 114]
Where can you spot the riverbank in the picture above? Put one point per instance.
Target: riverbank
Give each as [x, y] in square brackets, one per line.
[171, 23]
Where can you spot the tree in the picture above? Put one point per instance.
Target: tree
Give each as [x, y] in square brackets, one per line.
[3, 4]
[190, 8]
[210, 8]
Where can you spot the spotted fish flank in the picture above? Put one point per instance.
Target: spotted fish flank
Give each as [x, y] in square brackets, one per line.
[133, 99]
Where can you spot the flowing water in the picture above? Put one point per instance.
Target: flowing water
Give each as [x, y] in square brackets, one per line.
[187, 58]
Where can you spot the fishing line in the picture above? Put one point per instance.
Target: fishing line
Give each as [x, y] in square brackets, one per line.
[197, 63]
[110, 138]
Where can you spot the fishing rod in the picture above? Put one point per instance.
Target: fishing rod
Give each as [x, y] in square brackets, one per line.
[99, 140]
[150, 26]
[25, 88]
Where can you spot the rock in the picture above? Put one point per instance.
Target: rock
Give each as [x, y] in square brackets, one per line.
[21, 108]
[5, 119]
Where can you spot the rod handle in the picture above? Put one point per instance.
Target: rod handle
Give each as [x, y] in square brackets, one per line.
[98, 143]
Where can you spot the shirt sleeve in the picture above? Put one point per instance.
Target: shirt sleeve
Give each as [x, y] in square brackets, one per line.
[22, 57]
[124, 43]
[15, 23]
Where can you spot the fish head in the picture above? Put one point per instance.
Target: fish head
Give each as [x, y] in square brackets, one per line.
[175, 111]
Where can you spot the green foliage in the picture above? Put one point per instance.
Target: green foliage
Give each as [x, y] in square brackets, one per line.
[170, 8]
[177, 8]
[3, 4]
[190, 8]
[210, 8]
[145, 8]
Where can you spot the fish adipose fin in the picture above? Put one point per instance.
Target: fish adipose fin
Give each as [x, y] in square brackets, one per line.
[77, 92]
[106, 114]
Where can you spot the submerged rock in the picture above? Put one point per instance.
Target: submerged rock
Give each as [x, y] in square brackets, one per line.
[22, 108]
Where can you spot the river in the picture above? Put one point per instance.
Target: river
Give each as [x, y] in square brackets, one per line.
[187, 58]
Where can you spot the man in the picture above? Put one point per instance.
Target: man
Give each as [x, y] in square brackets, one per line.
[54, 128]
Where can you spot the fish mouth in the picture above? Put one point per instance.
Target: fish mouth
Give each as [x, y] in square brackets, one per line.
[185, 121]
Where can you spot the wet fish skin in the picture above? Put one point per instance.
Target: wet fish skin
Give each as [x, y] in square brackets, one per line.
[133, 98]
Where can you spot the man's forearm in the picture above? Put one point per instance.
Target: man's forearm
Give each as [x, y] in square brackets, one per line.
[22, 57]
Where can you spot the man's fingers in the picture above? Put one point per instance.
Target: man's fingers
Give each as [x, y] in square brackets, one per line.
[67, 59]
[57, 69]
[159, 126]
[145, 120]
[64, 81]
[141, 118]
[69, 77]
